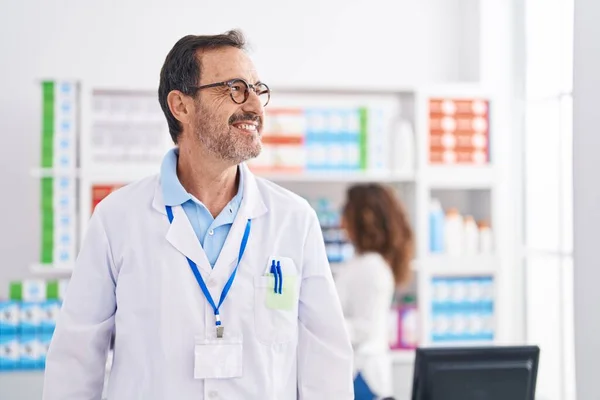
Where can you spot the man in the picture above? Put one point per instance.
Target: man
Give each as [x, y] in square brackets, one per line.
[215, 283]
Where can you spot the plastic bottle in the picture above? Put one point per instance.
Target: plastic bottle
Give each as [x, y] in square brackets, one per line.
[436, 226]
[486, 245]
[409, 335]
[453, 233]
[471, 237]
[404, 159]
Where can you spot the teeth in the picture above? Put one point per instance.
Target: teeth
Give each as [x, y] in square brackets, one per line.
[248, 127]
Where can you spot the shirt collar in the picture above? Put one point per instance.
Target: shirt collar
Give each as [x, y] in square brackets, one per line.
[174, 194]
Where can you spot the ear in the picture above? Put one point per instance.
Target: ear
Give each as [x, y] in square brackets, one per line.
[181, 106]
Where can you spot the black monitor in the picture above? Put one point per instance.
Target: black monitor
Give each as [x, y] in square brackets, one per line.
[475, 373]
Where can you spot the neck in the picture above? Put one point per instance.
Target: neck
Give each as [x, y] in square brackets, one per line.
[211, 181]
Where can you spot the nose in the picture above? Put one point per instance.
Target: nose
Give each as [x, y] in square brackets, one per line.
[254, 104]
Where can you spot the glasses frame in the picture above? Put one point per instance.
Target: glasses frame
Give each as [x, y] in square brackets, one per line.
[232, 82]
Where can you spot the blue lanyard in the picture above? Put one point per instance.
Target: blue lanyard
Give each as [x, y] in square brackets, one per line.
[229, 281]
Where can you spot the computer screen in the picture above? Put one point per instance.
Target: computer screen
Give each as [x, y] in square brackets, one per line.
[481, 373]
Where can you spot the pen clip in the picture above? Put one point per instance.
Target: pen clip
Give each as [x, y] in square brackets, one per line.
[275, 275]
[280, 277]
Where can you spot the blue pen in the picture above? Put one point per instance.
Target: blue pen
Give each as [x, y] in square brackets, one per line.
[275, 275]
[280, 276]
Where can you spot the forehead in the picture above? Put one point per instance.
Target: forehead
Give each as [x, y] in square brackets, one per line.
[226, 63]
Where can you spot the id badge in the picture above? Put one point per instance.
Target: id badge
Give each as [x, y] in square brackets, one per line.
[218, 358]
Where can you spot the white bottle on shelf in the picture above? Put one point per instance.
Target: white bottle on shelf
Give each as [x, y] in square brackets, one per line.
[471, 236]
[486, 245]
[404, 151]
[453, 232]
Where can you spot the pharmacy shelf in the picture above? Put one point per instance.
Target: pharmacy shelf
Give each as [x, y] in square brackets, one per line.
[52, 172]
[50, 271]
[453, 344]
[402, 356]
[459, 177]
[437, 264]
[130, 174]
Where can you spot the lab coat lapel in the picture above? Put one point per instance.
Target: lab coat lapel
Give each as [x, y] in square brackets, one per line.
[181, 234]
[252, 207]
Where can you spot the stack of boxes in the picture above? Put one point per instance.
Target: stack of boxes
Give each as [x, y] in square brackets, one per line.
[335, 138]
[127, 129]
[337, 245]
[283, 141]
[59, 188]
[462, 309]
[324, 139]
[459, 131]
[27, 322]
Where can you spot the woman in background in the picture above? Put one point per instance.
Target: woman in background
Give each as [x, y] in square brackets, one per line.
[379, 229]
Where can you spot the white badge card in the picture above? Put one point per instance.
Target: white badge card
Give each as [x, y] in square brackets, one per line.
[218, 358]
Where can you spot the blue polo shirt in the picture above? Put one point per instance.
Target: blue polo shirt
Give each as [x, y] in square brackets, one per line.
[211, 232]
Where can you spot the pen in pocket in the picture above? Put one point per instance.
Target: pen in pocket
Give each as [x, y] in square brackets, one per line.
[280, 277]
[275, 275]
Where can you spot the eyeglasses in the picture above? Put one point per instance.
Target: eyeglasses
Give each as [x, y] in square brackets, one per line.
[239, 90]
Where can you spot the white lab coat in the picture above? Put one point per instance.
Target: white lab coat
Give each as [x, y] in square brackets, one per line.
[132, 276]
[366, 288]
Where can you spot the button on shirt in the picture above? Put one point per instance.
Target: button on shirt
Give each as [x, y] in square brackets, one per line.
[211, 232]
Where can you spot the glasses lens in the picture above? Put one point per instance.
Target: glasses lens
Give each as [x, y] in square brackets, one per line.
[264, 93]
[239, 91]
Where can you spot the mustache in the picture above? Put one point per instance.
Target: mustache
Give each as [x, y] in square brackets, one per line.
[245, 117]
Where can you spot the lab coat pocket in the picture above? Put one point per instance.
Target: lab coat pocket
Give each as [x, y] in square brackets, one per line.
[275, 312]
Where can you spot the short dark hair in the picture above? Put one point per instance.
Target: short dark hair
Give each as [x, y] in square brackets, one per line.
[182, 68]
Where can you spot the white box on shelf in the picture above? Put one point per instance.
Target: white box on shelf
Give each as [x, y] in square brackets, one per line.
[65, 124]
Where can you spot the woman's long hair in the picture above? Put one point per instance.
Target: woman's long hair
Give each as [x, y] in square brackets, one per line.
[376, 221]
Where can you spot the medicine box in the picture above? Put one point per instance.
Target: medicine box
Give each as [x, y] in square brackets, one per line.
[31, 317]
[44, 341]
[30, 351]
[9, 317]
[9, 352]
[49, 311]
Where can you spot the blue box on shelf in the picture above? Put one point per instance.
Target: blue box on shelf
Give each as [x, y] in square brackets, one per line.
[30, 317]
[30, 350]
[9, 352]
[49, 311]
[9, 317]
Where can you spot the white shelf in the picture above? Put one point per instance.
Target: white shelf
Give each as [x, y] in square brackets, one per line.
[49, 271]
[459, 343]
[343, 176]
[51, 172]
[458, 265]
[128, 174]
[402, 356]
[459, 177]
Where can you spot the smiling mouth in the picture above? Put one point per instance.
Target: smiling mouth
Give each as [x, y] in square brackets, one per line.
[246, 127]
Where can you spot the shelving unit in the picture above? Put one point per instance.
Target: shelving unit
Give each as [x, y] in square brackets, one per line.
[50, 272]
[473, 188]
[459, 177]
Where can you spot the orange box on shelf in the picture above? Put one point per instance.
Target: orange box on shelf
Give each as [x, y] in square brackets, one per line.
[462, 124]
[456, 141]
[99, 192]
[441, 155]
[458, 131]
[458, 106]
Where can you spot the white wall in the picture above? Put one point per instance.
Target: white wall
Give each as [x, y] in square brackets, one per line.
[586, 142]
[123, 44]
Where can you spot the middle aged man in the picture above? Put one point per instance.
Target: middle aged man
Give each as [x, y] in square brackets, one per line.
[215, 282]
